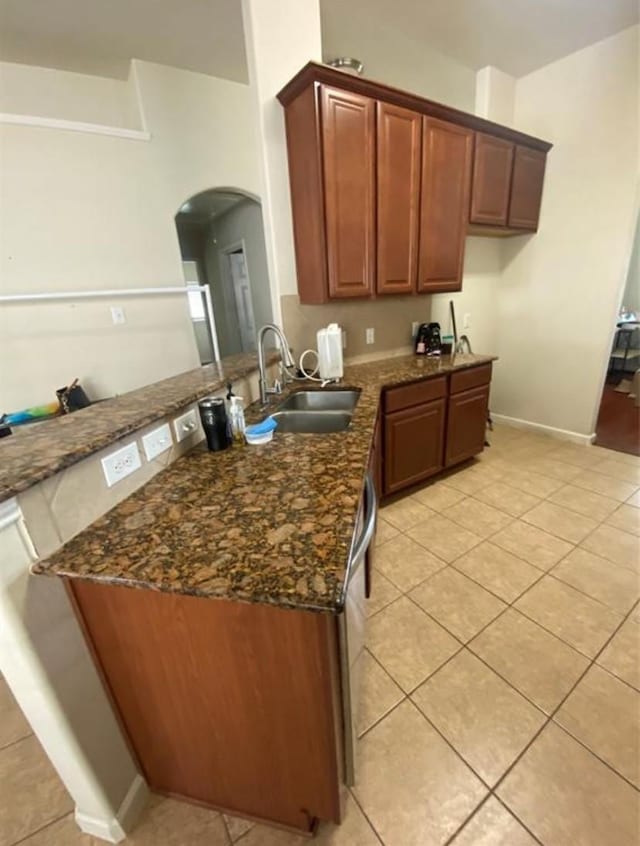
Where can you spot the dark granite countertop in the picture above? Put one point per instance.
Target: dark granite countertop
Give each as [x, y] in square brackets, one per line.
[38, 450]
[271, 524]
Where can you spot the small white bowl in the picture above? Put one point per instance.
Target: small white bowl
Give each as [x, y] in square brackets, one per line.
[264, 438]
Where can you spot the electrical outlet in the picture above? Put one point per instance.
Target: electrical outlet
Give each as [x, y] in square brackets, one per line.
[117, 315]
[185, 425]
[414, 328]
[156, 442]
[344, 339]
[370, 335]
[466, 320]
[121, 463]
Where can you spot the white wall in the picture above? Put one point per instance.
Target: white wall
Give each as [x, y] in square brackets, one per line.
[631, 296]
[80, 211]
[560, 288]
[27, 90]
[389, 56]
[481, 278]
[280, 37]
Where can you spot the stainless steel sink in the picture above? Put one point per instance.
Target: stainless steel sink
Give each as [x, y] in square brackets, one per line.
[321, 400]
[312, 422]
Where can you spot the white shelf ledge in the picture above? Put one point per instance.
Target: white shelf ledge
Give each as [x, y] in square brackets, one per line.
[74, 126]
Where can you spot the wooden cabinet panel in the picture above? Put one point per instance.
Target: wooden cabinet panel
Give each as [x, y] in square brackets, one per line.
[416, 393]
[399, 133]
[304, 148]
[348, 135]
[413, 444]
[471, 378]
[217, 696]
[491, 185]
[526, 188]
[446, 176]
[466, 424]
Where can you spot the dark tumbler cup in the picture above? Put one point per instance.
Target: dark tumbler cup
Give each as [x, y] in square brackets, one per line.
[214, 422]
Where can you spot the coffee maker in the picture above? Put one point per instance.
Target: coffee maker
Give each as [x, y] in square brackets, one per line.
[428, 340]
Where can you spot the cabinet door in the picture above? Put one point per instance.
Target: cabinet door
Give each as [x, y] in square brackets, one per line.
[413, 445]
[491, 186]
[526, 188]
[348, 138]
[446, 176]
[466, 425]
[398, 181]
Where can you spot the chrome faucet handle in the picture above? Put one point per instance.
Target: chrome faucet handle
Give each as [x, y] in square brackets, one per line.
[277, 387]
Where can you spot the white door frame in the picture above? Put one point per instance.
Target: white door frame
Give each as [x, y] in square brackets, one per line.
[622, 284]
[224, 253]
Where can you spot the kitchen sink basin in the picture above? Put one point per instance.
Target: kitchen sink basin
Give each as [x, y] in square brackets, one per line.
[312, 422]
[321, 401]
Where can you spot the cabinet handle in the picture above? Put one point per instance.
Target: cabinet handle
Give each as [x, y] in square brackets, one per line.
[364, 540]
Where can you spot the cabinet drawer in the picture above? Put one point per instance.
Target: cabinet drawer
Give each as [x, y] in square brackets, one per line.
[472, 378]
[395, 399]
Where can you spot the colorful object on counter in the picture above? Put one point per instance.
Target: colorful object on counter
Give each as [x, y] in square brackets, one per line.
[28, 415]
[261, 433]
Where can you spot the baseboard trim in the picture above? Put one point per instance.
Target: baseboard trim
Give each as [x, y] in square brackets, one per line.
[115, 829]
[561, 434]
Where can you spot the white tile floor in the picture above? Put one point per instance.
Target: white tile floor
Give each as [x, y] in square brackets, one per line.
[501, 689]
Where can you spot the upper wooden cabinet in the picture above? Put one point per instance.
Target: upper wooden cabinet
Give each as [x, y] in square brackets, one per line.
[506, 190]
[348, 135]
[446, 170]
[385, 186]
[526, 188]
[491, 187]
[398, 181]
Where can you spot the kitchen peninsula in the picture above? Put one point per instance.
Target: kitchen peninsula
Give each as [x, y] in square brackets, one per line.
[238, 703]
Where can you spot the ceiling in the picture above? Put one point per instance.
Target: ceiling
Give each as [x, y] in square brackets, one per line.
[517, 36]
[101, 36]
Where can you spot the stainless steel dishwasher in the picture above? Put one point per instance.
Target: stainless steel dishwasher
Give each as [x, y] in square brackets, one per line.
[352, 625]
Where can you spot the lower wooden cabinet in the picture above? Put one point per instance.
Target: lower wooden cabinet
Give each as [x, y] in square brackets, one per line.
[413, 444]
[429, 425]
[466, 424]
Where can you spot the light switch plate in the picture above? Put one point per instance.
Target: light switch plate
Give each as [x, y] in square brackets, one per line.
[371, 336]
[121, 463]
[157, 441]
[185, 425]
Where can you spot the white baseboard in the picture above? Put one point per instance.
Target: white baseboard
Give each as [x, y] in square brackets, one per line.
[115, 829]
[561, 434]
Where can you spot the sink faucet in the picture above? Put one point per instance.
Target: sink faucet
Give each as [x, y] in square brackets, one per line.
[287, 360]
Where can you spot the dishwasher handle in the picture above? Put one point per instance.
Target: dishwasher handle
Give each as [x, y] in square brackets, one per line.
[369, 523]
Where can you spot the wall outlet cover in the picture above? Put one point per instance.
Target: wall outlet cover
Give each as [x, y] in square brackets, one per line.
[117, 315]
[186, 424]
[370, 335]
[157, 441]
[121, 463]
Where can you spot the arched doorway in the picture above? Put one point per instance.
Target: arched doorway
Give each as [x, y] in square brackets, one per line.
[221, 237]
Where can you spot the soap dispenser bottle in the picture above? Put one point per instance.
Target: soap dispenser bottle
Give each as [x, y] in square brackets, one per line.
[237, 420]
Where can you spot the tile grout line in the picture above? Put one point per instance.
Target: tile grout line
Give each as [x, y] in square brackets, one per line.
[42, 828]
[548, 718]
[18, 739]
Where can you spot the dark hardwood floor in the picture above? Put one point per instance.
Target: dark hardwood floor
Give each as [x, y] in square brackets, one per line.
[618, 424]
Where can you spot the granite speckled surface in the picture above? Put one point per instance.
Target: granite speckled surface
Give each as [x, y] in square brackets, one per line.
[35, 452]
[272, 524]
